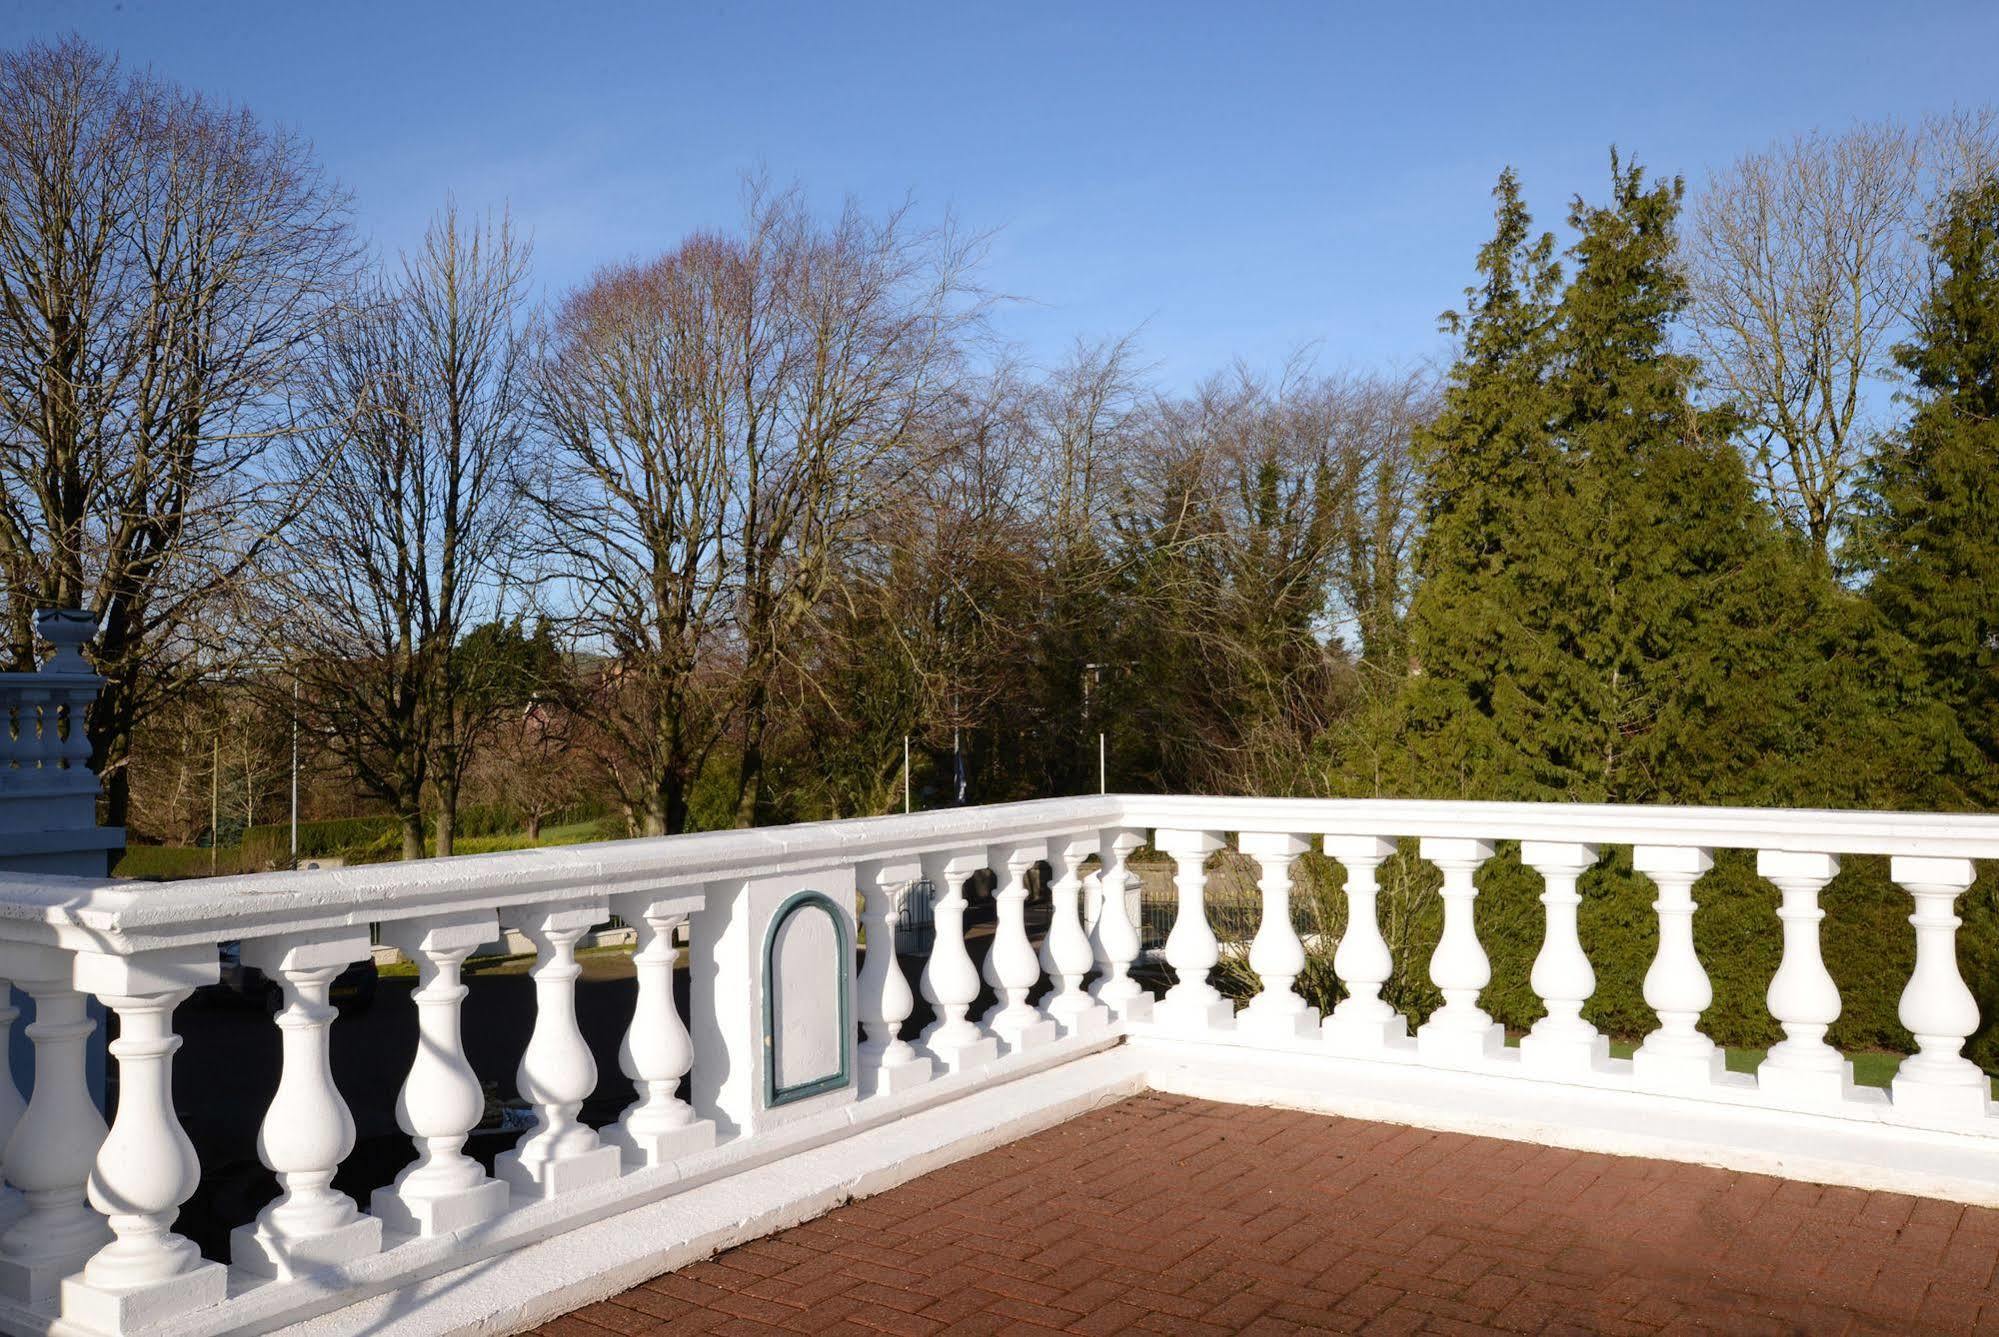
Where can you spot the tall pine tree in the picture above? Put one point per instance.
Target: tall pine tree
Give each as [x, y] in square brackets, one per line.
[1606, 613]
[1482, 461]
[1936, 531]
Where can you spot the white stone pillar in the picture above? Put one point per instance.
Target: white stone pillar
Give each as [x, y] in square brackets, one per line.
[1561, 1042]
[1362, 1022]
[1192, 1004]
[950, 982]
[441, 1101]
[1116, 938]
[1276, 954]
[11, 1104]
[1937, 1082]
[1013, 966]
[1802, 1068]
[49, 1155]
[146, 1167]
[557, 1073]
[1068, 1004]
[657, 1051]
[1460, 1032]
[1676, 1056]
[888, 1063]
[308, 1130]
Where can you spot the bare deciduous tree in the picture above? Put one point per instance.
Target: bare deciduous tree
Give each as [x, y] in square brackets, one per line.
[164, 264]
[723, 420]
[419, 400]
[1803, 258]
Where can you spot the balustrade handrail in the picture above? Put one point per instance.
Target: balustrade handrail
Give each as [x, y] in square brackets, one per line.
[114, 915]
[1820, 830]
[122, 917]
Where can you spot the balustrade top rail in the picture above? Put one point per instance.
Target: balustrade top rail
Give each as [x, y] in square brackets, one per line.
[110, 915]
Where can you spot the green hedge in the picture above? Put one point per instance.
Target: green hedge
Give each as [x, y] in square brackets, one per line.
[271, 844]
[1868, 944]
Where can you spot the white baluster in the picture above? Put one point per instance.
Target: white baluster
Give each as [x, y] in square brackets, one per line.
[146, 1167]
[557, 1073]
[307, 1131]
[441, 1101]
[1192, 1004]
[11, 1104]
[1459, 1032]
[51, 1151]
[1562, 1042]
[887, 1062]
[1276, 954]
[75, 748]
[1116, 939]
[1938, 1082]
[1013, 967]
[1068, 1004]
[40, 746]
[950, 981]
[1363, 1022]
[657, 1052]
[1676, 1056]
[1802, 1068]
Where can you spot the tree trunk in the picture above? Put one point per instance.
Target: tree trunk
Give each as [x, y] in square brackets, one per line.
[447, 816]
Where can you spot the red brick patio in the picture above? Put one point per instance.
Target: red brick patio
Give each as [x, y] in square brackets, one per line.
[1179, 1216]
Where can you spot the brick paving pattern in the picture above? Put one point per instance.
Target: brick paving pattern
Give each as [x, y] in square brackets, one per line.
[1179, 1216]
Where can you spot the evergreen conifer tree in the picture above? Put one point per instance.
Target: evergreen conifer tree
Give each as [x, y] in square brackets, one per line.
[1936, 531]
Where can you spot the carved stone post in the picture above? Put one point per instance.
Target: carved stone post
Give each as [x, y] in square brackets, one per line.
[657, 1052]
[950, 981]
[1363, 1022]
[441, 1101]
[887, 1061]
[557, 1074]
[1460, 1032]
[1068, 1004]
[1192, 1004]
[1276, 954]
[308, 1130]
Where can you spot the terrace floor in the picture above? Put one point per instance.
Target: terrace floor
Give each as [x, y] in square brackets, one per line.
[1162, 1214]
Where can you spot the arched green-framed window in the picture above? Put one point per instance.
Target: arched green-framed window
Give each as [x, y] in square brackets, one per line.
[807, 902]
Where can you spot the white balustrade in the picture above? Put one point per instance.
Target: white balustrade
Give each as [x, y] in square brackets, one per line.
[1013, 967]
[1068, 1004]
[50, 1152]
[441, 1102]
[307, 1131]
[888, 1062]
[1192, 1004]
[1276, 954]
[1116, 940]
[767, 1037]
[1460, 1032]
[1937, 1081]
[1676, 1056]
[657, 1052]
[1363, 1022]
[950, 982]
[1802, 1068]
[146, 1167]
[1561, 1042]
[557, 1073]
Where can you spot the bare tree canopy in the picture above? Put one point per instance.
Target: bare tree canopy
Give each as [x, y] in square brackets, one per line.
[164, 264]
[722, 421]
[1803, 259]
[418, 403]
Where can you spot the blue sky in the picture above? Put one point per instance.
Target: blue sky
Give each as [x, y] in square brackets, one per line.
[1242, 180]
